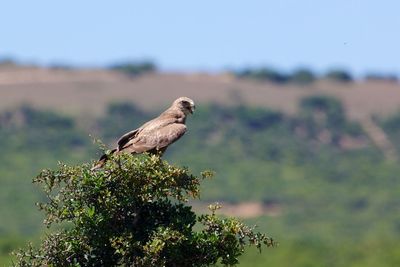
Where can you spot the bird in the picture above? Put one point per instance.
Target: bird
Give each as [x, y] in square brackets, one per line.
[155, 135]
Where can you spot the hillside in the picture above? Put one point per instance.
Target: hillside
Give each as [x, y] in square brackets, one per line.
[310, 170]
[90, 91]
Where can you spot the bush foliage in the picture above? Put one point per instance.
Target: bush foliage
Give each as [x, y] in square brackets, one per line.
[339, 75]
[135, 68]
[320, 193]
[133, 213]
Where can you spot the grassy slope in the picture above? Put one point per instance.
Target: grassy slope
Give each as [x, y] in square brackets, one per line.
[90, 91]
[337, 209]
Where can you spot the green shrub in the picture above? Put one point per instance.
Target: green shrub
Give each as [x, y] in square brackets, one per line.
[381, 77]
[330, 107]
[302, 76]
[118, 117]
[39, 129]
[339, 75]
[263, 74]
[135, 68]
[133, 213]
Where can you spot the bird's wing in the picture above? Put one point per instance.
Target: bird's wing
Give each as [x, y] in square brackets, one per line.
[147, 127]
[126, 137]
[157, 138]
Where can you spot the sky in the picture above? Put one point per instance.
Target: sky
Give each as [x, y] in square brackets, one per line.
[209, 35]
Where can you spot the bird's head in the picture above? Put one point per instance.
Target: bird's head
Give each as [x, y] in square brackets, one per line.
[185, 104]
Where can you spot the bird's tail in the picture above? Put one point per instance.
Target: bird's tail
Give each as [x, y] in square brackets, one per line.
[103, 159]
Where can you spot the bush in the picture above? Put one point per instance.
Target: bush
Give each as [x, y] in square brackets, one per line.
[264, 74]
[381, 77]
[302, 76]
[132, 213]
[339, 75]
[324, 119]
[330, 107]
[392, 123]
[135, 68]
[118, 116]
[40, 129]
[257, 118]
[7, 61]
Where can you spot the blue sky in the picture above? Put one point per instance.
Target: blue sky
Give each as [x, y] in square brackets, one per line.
[360, 35]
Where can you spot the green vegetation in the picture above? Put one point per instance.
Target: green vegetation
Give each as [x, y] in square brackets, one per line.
[339, 75]
[31, 140]
[7, 61]
[391, 126]
[374, 76]
[331, 198]
[263, 74]
[301, 76]
[133, 212]
[118, 116]
[135, 68]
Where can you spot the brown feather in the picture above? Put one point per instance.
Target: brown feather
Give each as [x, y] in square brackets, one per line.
[126, 137]
[156, 135]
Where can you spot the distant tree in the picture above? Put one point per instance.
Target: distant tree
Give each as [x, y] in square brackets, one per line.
[41, 129]
[7, 61]
[263, 74]
[302, 76]
[392, 123]
[319, 113]
[330, 106]
[118, 116]
[61, 66]
[133, 213]
[381, 77]
[339, 75]
[135, 68]
[328, 110]
[258, 118]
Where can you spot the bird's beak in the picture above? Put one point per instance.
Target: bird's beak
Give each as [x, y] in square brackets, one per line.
[192, 108]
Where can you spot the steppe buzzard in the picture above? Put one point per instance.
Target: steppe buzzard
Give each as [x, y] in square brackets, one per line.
[156, 135]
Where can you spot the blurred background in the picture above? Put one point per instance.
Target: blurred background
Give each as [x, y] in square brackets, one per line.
[298, 112]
